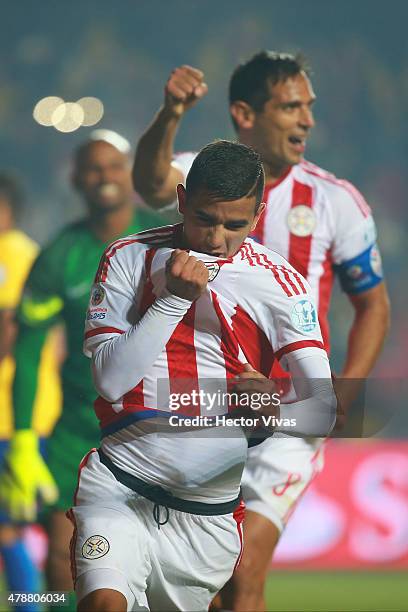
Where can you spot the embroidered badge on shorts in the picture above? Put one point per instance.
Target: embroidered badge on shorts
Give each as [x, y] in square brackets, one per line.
[95, 547]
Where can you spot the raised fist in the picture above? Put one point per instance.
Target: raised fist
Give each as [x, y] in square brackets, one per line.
[183, 89]
[186, 276]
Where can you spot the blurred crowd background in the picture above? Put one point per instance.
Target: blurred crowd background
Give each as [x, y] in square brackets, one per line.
[122, 52]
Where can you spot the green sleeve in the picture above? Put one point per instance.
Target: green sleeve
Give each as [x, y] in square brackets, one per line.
[39, 309]
[27, 354]
[42, 300]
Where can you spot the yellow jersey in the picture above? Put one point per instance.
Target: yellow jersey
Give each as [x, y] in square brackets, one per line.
[17, 254]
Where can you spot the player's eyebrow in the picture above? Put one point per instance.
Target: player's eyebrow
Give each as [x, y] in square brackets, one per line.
[206, 217]
[297, 103]
[236, 223]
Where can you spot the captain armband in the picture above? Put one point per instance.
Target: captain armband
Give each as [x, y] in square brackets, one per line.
[361, 273]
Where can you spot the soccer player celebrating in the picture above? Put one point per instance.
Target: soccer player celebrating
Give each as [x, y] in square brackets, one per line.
[57, 289]
[321, 224]
[156, 511]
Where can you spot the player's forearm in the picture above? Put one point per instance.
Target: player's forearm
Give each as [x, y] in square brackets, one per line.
[120, 363]
[366, 338]
[314, 412]
[153, 158]
[27, 353]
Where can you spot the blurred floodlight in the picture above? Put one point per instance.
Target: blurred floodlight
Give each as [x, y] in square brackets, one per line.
[93, 110]
[44, 109]
[68, 117]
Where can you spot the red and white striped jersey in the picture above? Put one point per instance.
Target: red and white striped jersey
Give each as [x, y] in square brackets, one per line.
[256, 308]
[320, 224]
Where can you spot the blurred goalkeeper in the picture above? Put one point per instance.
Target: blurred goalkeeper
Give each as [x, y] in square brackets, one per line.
[57, 289]
[17, 253]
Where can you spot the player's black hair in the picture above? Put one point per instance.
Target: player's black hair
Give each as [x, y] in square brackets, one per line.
[12, 191]
[251, 80]
[227, 171]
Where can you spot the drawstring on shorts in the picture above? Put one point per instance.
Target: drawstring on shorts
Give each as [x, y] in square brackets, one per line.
[156, 514]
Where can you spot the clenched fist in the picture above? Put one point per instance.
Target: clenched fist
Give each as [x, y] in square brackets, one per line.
[183, 89]
[186, 276]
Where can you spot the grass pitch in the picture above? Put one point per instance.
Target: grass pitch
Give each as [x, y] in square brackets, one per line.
[337, 591]
[324, 592]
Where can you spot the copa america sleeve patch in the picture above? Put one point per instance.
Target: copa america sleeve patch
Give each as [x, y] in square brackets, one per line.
[304, 316]
[361, 273]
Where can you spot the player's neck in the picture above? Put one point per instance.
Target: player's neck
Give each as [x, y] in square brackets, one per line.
[112, 224]
[273, 168]
[275, 173]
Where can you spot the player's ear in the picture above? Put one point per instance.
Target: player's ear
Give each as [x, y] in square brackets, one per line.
[259, 212]
[181, 197]
[242, 114]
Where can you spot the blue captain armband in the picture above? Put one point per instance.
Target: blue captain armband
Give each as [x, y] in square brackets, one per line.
[361, 273]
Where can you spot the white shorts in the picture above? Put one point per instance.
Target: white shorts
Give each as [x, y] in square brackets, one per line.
[117, 545]
[276, 474]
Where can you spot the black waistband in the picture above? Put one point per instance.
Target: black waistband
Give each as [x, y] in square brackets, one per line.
[158, 495]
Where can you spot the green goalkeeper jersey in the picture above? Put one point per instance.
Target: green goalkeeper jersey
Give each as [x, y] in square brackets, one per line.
[57, 290]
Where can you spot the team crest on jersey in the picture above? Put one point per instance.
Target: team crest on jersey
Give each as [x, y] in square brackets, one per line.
[97, 295]
[301, 220]
[304, 316]
[375, 260]
[95, 547]
[213, 268]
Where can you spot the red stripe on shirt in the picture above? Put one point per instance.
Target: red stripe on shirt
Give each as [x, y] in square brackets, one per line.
[72, 545]
[182, 360]
[82, 464]
[102, 270]
[134, 397]
[259, 232]
[158, 234]
[299, 280]
[360, 201]
[229, 344]
[148, 296]
[294, 346]
[239, 515]
[102, 330]
[331, 178]
[246, 255]
[300, 246]
[253, 341]
[286, 273]
[268, 265]
[70, 515]
[108, 256]
[107, 415]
